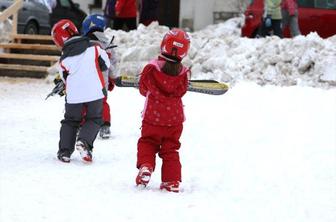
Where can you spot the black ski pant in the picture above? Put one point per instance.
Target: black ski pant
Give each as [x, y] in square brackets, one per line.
[71, 123]
[118, 23]
[275, 28]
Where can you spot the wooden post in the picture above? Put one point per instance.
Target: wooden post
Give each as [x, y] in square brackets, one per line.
[12, 11]
[14, 24]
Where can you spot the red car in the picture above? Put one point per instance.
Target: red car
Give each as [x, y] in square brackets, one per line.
[314, 16]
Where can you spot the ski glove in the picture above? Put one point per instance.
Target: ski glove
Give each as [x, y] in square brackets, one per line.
[268, 21]
[59, 86]
[110, 84]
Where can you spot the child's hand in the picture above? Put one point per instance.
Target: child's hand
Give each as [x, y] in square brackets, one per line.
[110, 84]
[60, 85]
[57, 79]
[268, 21]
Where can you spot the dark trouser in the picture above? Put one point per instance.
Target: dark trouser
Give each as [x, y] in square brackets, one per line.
[106, 114]
[275, 29]
[292, 22]
[147, 22]
[109, 22]
[71, 122]
[118, 23]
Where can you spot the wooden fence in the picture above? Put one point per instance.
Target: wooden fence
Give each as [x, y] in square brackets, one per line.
[12, 11]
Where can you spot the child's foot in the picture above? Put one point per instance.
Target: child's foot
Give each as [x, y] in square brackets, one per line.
[63, 156]
[105, 132]
[84, 151]
[144, 175]
[172, 186]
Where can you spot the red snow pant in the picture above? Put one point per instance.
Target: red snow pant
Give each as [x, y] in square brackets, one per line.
[163, 140]
[106, 116]
[106, 112]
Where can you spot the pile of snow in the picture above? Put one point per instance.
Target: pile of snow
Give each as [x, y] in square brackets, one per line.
[5, 30]
[218, 52]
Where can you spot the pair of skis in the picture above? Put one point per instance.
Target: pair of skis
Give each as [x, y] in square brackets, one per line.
[211, 87]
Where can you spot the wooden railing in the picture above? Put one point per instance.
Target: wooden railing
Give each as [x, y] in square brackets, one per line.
[12, 11]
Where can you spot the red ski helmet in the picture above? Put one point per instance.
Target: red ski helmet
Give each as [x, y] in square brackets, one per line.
[175, 45]
[62, 31]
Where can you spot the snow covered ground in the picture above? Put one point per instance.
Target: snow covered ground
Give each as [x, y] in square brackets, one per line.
[254, 154]
[263, 152]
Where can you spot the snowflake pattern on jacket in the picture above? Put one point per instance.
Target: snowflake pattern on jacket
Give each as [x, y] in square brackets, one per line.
[163, 106]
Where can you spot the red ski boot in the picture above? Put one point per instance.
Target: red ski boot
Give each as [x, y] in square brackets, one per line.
[144, 175]
[172, 186]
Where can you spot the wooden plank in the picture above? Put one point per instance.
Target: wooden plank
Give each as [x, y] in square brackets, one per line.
[32, 37]
[29, 57]
[11, 10]
[30, 68]
[28, 46]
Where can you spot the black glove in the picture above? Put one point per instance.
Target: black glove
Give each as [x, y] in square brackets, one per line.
[62, 87]
[58, 89]
[59, 86]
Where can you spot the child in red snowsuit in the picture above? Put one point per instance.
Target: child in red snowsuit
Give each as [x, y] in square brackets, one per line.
[163, 82]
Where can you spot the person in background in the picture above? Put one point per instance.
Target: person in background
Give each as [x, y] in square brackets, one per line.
[163, 82]
[81, 65]
[149, 10]
[96, 23]
[272, 19]
[109, 12]
[290, 16]
[125, 14]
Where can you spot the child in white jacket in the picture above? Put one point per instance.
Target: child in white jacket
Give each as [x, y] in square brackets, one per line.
[92, 26]
[81, 66]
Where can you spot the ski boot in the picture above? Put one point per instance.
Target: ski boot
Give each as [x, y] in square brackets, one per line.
[172, 186]
[84, 151]
[104, 132]
[144, 175]
[63, 156]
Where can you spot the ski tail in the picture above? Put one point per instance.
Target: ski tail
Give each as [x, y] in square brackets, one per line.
[127, 81]
[211, 87]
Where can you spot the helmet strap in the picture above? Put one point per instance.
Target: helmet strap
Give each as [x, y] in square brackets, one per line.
[170, 58]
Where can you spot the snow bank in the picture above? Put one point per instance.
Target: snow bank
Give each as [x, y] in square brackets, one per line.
[218, 52]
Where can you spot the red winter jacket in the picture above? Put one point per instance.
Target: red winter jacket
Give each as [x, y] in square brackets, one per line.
[163, 93]
[126, 8]
[290, 6]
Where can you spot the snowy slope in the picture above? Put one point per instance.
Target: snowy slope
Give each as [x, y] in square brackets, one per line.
[253, 154]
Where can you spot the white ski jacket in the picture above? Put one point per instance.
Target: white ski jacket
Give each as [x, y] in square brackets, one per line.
[82, 66]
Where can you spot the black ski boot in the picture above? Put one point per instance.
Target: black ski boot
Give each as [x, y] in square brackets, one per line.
[63, 156]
